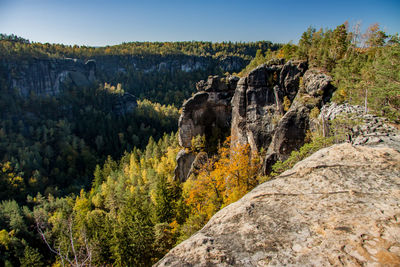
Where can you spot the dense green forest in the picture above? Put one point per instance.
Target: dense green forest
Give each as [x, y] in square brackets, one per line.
[53, 144]
[135, 65]
[364, 66]
[20, 47]
[107, 195]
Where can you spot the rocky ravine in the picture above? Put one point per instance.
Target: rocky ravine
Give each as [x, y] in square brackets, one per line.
[338, 207]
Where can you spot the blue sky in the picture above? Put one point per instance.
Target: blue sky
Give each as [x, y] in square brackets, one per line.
[108, 22]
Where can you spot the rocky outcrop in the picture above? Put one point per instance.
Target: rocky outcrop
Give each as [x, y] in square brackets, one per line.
[113, 65]
[206, 111]
[339, 207]
[48, 76]
[291, 130]
[184, 162]
[268, 109]
[368, 129]
[257, 105]
[124, 104]
[288, 136]
[318, 84]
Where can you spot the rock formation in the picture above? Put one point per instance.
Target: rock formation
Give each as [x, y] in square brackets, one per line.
[329, 210]
[207, 110]
[290, 132]
[124, 104]
[48, 76]
[184, 162]
[207, 113]
[368, 129]
[110, 66]
[267, 109]
[45, 76]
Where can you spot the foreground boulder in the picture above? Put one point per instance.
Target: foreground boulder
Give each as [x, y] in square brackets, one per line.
[339, 207]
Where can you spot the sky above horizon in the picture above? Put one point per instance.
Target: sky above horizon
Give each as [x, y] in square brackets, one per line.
[109, 22]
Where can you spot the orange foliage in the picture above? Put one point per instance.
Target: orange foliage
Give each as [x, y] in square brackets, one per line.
[223, 179]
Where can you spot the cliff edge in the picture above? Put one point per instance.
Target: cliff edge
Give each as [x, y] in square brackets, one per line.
[339, 207]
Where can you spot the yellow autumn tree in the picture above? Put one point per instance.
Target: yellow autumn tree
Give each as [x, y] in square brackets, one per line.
[223, 179]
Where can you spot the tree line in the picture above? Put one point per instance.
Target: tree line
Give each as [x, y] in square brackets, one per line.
[20, 47]
[364, 66]
[133, 211]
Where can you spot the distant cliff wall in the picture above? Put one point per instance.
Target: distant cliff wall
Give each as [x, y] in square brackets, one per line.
[47, 76]
[112, 65]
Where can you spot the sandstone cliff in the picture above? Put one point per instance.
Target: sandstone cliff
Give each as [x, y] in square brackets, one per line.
[268, 109]
[339, 207]
[47, 76]
[113, 65]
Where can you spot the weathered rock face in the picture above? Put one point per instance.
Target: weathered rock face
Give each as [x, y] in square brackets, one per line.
[47, 76]
[291, 130]
[112, 65]
[339, 207]
[258, 99]
[124, 104]
[317, 84]
[288, 135]
[184, 162]
[254, 108]
[207, 111]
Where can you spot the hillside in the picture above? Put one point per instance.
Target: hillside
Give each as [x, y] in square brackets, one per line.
[99, 167]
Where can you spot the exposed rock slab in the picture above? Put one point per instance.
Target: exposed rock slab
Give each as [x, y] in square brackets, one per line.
[339, 207]
[184, 162]
[369, 130]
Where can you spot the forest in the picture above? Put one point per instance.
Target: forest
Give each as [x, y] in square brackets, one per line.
[169, 86]
[23, 48]
[82, 185]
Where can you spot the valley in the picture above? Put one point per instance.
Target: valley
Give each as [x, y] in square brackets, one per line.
[113, 156]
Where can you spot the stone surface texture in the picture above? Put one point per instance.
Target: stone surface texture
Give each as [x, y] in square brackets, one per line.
[252, 109]
[338, 207]
[257, 103]
[369, 130]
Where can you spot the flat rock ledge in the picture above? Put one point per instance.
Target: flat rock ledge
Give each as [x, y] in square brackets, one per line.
[338, 207]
